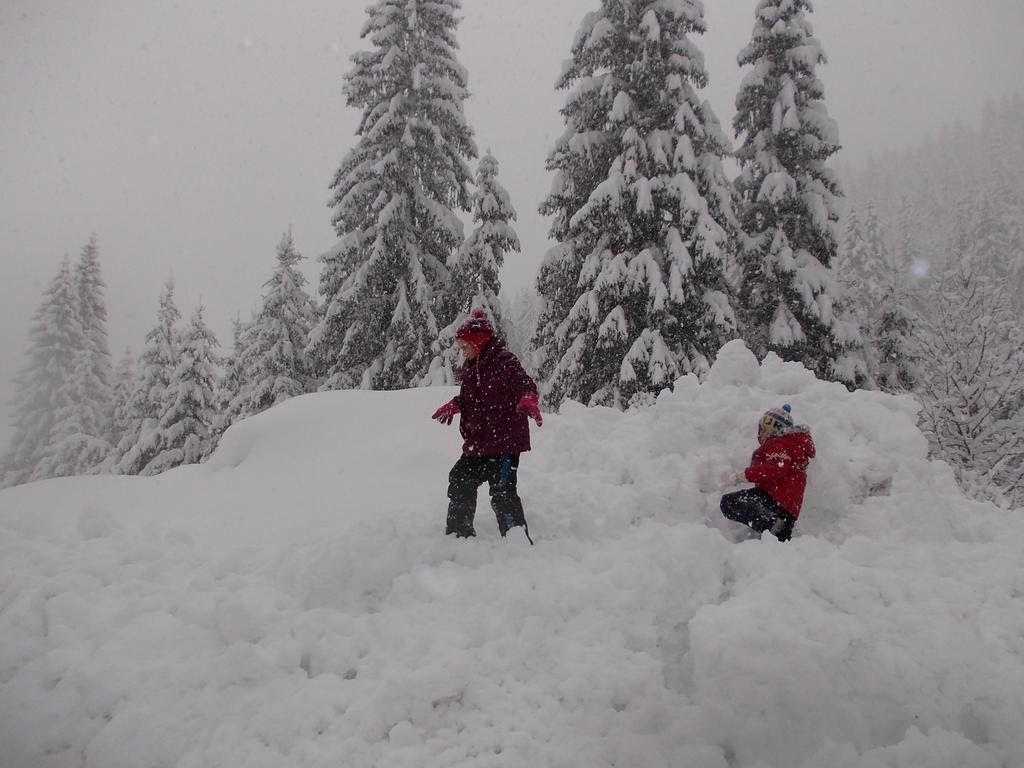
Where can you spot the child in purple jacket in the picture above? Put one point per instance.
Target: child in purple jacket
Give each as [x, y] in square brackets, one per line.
[494, 400]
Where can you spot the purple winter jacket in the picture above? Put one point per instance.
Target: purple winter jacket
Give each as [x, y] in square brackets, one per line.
[492, 384]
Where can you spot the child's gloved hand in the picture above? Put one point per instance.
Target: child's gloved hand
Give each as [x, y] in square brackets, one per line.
[528, 405]
[446, 412]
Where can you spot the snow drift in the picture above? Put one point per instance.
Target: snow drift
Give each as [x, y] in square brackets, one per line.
[293, 602]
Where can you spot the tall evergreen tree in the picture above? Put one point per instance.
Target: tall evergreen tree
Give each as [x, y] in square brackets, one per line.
[184, 431]
[153, 394]
[275, 363]
[43, 386]
[634, 293]
[864, 268]
[95, 371]
[997, 243]
[80, 439]
[230, 384]
[895, 364]
[909, 259]
[790, 297]
[519, 315]
[880, 302]
[123, 387]
[852, 249]
[74, 447]
[874, 239]
[474, 268]
[395, 197]
[894, 360]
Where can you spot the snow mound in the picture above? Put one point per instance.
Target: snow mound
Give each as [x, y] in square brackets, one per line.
[293, 602]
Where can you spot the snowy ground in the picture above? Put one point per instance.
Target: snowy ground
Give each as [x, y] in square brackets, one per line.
[293, 602]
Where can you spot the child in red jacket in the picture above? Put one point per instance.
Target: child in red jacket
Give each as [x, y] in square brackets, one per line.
[778, 470]
[495, 398]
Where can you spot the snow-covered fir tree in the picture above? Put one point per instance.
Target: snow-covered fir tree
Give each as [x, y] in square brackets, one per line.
[153, 394]
[42, 387]
[519, 313]
[789, 295]
[72, 448]
[122, 388]
[909, 258]
[185, 427]
[893, 356]
[863, 266]
[873, 238]
[852, 248]
[95, 370]
[475, 267]
[894, 363]
[474, 280]
[972, 389]
[80, 440]
[997, 243]
[274, 365]
[395, 200]
[634, 293]
[880, 303]
[852, 260]
[229, 390]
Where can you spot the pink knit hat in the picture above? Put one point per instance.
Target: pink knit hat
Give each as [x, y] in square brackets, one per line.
[477, 329]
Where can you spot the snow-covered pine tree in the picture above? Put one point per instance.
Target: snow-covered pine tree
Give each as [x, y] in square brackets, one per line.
[473, 268]
[851, 250]
[73, 448]
[122, 388]
[519, 315]
[873, 237]
[972, 390]
[229, 395]
[42, 386]
[395, 197]
[94, 364]
[791, 302]
[80, 440]
[634, 293]
[879, 301]
[864, 268]
[152, 395]
[274, 359]
[895, 364]
[997, 244]
[893, 358]
[184, 431]
[909, 260]
[851, 262]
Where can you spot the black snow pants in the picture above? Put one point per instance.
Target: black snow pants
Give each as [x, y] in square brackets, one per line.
[468, 474]
[755, 508]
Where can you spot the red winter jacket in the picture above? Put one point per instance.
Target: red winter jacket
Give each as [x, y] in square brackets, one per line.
[779, 467]
[489, 418]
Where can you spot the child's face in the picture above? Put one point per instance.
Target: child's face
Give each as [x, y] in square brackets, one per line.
[762, 434]
[467, 349]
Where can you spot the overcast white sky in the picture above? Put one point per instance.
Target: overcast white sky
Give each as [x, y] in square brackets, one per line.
[189, 134]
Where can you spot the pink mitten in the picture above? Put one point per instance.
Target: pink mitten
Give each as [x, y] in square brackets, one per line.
[528, 405]
[446, 412]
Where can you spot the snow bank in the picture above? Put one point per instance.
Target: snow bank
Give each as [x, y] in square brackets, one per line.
[293, 602]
